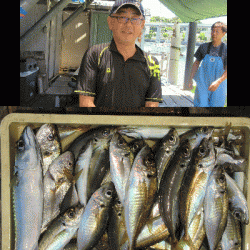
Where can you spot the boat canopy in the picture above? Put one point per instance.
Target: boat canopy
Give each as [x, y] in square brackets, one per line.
[194, 10]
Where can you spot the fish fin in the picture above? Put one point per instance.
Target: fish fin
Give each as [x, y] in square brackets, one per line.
[150, 223]
[124, 238]
[227, 130]
[76, 177]
[68, 174]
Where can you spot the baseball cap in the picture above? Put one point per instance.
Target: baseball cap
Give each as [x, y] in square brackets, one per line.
[120, 3]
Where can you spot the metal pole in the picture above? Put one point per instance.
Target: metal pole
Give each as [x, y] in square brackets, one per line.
[78, 11]
[190, 53]
[43, 21]
[174, 55]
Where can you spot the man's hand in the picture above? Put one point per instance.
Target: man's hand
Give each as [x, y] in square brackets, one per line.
[151, 104]
[214, 86]
[86, 101]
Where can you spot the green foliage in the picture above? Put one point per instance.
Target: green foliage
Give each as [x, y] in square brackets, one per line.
[202, 36]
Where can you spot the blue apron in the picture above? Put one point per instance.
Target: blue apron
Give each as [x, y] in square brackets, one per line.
[210, 70]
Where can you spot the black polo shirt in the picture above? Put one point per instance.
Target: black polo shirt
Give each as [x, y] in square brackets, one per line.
[115, 83]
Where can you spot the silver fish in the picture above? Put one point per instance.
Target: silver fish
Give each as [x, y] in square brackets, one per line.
[49, 141]
[61, 231]
[165, 151]
[57, 182]
[121, 160]
[196, 135]
[104, 132]
[216, 207]
[95, 217]
[231, 238]
[193, 189]
[232, 164]
[28, 191]
[237, 201]
[147, 132]
[140, 193]
[83, 163]
[170, 187]
[117, 233]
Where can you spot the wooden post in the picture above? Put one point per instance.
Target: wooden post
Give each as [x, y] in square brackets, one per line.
[190, 53]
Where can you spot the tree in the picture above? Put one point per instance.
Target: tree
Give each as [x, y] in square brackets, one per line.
[202, 36]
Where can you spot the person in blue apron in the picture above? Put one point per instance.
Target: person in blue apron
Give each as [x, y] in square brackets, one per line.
[210, 70]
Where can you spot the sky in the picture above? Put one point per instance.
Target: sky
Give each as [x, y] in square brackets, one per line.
[158, 9]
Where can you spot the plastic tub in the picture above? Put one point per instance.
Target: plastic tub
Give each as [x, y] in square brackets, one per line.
[13, 125]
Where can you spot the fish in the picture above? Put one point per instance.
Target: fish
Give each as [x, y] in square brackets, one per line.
[216, 206]
[237, 201]
[66, 130]
[141, 189]
[99, 164]
[27, 188]
[147, 132]
[117, 233]
[83, 164]
[121, 159]
[196, 135]
[57, 182]
[104, 132]
[95, 217]
[136, 145]
[194, 184]
[165, 151]
[170, 187]
[231, 238]
[49, 141]
[231, 164]
[153, 232]
[62, 230]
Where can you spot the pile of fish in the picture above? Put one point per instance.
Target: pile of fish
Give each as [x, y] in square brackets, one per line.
[123, 187]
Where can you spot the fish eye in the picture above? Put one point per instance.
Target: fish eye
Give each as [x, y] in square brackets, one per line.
[102, 205]
[21, 145]
[200, 166]
[172, 138]
[135, 146]
[109, 193]
[119, 214]
[222, 178]
[47, 153]
[71, 213]
[149, 175]
[106, 132]
[237, 214]
[202, 150]
[50, 137]
[149, 160]
[182, 165]
[186, 151]
[120, 142]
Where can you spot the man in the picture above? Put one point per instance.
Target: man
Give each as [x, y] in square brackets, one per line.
[120, 74]
[211, 77]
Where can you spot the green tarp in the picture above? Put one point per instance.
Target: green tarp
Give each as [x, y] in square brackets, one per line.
[194, 10]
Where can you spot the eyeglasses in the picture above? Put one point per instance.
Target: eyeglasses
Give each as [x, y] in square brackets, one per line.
[121, 19]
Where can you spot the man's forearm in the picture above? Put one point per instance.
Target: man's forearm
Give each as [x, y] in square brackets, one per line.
[86, 101]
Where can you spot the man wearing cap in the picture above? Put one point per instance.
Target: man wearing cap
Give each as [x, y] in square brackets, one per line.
[119, 74]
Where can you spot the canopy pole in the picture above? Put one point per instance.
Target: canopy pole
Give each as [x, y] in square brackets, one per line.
[190, 53]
